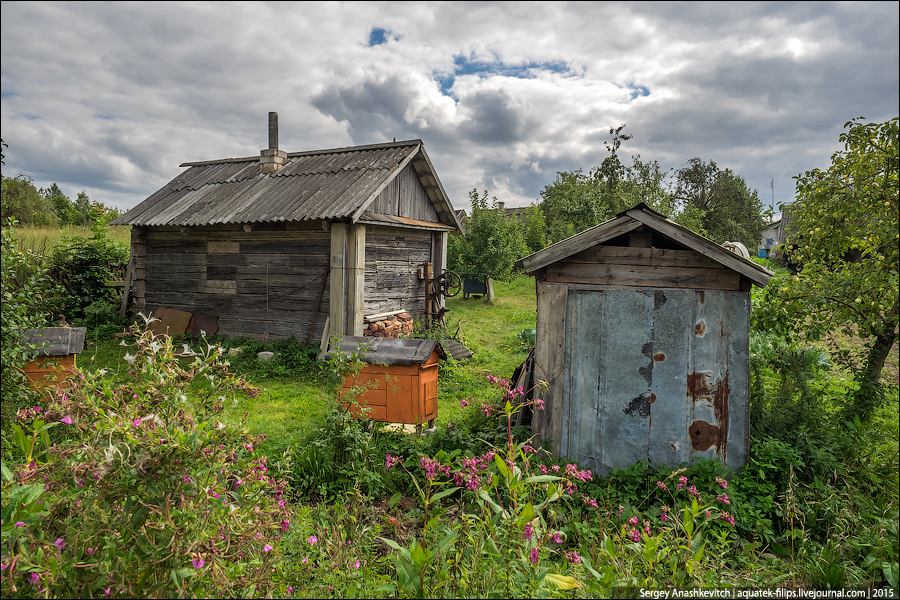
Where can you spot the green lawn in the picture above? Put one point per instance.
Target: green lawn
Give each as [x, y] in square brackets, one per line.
[289, 408]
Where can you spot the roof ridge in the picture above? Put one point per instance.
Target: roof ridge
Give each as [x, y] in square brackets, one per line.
[366, 147]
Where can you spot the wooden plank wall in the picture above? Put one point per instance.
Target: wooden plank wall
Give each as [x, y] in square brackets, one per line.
[643, 267]
[261, 284]
[406, 197]
[393, 257]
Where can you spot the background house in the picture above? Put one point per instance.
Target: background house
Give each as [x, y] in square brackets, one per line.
[643, 338]
[272, 246]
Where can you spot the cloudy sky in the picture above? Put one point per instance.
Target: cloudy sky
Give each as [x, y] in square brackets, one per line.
[110, 98]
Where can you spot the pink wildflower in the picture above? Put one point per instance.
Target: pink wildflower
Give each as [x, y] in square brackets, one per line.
[528, 532]
[633, 520]
[356, 564]
[312, 540]
[573, 557]
[60, 543]
[463, 403]
[534, 556]
[67, 420]
[198, 563]
[538, 403]
[267, 548]
[723, 499]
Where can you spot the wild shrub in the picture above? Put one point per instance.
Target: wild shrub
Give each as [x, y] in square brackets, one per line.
[86, 267]
[143, 492]
[25, 289]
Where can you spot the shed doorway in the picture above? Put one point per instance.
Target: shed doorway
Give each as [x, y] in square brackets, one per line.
[648, 374]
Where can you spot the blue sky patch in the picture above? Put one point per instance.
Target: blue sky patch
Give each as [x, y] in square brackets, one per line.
[638, 90]
[466, 66]
[378, 36]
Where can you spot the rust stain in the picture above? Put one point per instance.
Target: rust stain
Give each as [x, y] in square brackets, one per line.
[699, 389]
[720, 407]
[702, 296]
[704, 435]
[659, 357]
[700, 328]
[652, 397]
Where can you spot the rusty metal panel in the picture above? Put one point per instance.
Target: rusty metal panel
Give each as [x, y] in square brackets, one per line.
[659, 375]
[671, 409]
[609, 378]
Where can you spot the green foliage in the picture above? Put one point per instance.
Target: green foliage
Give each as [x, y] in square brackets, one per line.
[535, 229]
[845, 237]
[492, 244]
[20, 200]
[142, 492]
[24, 291]
[726, 208]
[85, 267]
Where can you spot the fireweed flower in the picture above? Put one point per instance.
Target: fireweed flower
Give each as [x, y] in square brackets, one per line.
[267, 548]
[60, 543]
[682, 481]
[572, 556]
[390, 462]
[356, 564]
[556, 538]
[198, 563]
[534, 555]
[463, 403]
[528, 532]
[722, 483]
[633, 520]
[67, 420]
[312, 540]
[661, 485]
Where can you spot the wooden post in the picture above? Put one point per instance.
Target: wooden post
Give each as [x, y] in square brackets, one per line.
[439, 258]
[127, 291]
[356, 278]
[429, 293]
[338, 288]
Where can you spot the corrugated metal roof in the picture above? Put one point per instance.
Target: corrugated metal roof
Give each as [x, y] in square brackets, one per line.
[388, 351]
[325, 184]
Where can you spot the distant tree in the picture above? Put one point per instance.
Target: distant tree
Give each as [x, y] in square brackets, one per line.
[535, 229]
[64, 209]
[20, 200]
[725, 206]
[493, 242]
[845, 238]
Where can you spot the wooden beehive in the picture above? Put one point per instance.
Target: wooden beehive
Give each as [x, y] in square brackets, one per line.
[54, 361]
[398, 384]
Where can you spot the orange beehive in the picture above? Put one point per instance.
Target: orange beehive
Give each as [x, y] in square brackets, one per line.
[54, 360]
[399, 383]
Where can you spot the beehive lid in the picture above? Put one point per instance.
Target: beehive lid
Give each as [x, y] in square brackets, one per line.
[388, 351]
[56, 341]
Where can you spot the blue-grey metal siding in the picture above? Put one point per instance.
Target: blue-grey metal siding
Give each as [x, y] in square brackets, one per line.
[655, 374]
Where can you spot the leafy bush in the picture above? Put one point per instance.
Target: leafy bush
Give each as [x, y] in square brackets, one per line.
[142, 492]
[85, 267]
[25, 289]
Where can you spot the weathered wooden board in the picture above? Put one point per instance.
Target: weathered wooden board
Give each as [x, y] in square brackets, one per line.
[644, 276]
[549, 360]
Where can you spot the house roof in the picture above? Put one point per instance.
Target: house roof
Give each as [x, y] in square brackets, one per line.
[340, 183]
[632, 219]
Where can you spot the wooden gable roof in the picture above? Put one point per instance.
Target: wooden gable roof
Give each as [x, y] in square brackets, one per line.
[641, 217]
[340, 183]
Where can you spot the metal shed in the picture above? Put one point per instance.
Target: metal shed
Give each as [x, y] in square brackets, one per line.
[643, 337]
[400, 379]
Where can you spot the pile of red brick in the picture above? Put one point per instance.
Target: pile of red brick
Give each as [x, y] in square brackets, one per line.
[392, 327]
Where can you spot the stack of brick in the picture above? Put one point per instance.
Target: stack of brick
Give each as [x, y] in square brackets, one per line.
[392, 327]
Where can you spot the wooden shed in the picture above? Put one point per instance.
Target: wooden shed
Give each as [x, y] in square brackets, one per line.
[274, 245]
[399, 383]
[643, 337]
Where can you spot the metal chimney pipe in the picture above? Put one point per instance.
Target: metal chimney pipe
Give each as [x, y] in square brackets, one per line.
[273, 131]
